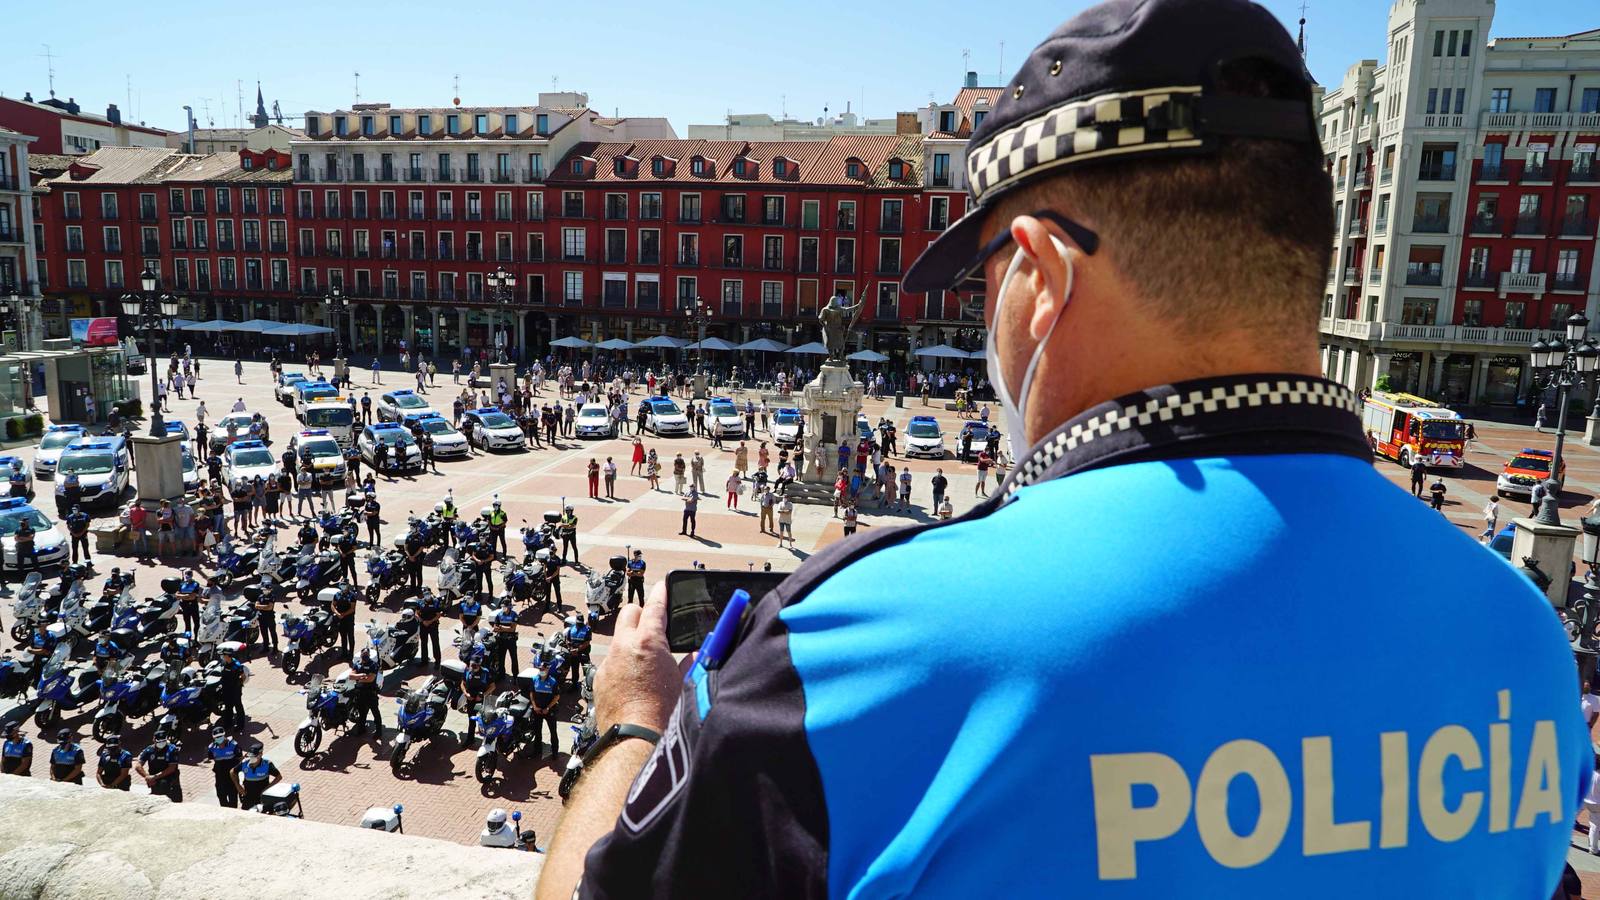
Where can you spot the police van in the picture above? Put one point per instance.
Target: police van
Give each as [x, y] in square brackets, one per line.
[49, 543]
[403, 450]
[55, 441]
[327, 456]
[308, 392]
[332, 415]
[101, 464]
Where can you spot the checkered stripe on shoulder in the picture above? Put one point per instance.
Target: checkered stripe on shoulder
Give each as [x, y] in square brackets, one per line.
[1107, 125]
[1277, 392]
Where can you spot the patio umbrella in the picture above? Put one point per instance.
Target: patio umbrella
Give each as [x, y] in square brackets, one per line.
[868, 356]
[254, 326]
[570, 341]
[614, 344]
[712, 343]
[765, 345]
[980, 353]
[213, 325]
[941, 351]
[297, 329]
[662, 342]
[815, 348]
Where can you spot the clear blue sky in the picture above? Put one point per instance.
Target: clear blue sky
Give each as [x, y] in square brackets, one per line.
[691, 62]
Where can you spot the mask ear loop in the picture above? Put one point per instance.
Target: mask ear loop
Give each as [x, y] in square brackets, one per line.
[1038, 352]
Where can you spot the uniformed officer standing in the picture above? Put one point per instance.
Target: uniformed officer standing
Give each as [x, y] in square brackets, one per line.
[476, 683]
[447, 514]
[254, 775]
[636, 569]
[546, 694]
[23, 541]
[232, 714]
[568, 528]
[1148, 224]
[414, 548]
[579, 638]
[346, 545]
[497, 527]
[483, 563]
[158, 766]
[189, 601]
[504, 624]
[371, 511]
[16, 753]
[364, 672]
[344, 618]
[266, 614]
[429, 609]
[224, 754]
[66, 759]
[470, 610]
[114, 769]
[78, 529]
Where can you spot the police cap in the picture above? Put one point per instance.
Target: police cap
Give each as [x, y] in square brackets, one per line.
[1127, 79]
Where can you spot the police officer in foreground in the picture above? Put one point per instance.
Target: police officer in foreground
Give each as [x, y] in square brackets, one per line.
[344, 618]
[16, 752]
[234, 674]
[364, 671]
[253, 776]
[429, 610]
[1150, 217]
[224, 754]
[66, 759]
[114, 769]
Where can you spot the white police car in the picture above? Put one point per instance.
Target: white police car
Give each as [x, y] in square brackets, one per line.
[175, 427]
[924, 438]
[447, 441]
[594, 420]
[191, 472]
[241, 430]
[864, 428]
[664, 417]
[247, 459]
[403, 450]
[56, 439]
[284, 389]
[101, 465]
[396, 405]
[14, 474]
[785, 426]
[724, 419]
[491, 429]
[49, 543]
[327, 457]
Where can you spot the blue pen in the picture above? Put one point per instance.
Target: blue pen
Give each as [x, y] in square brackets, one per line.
[714, 651]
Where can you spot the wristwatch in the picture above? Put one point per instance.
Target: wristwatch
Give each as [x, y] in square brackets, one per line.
[618, 732]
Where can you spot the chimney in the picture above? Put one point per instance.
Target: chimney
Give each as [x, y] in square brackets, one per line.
[113, 115]
[972, 79]
[28, 96]
[906, 123]
[72, 106]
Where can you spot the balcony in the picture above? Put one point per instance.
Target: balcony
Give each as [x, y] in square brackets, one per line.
[416, 215]
[1524, 121]
[774, 222]
[227, 284]
[890, 268]
[252, 284]
[732, 262]
[532, 176]
[1577, 226]
[307, 212]
[1484, 280]
[844, 267]
[333, 252]
[1529, 224]
[275, 209]
[151, 248]
[534, 215]
[474, 215]
[278, 247]
[689, 219]
[1569, 281]
[112, 247]
[1584, 174]
[1374, 276]
[386, 173]
[846, 223]
[250, 209]
[1536, 171]
[1385, 177]
[307, 250]
[649, 259]
[329, 173]
[575, 257]
[10, 235]
[147, 213]
[224, 245]
[388, 213]
[415, 174]
[74, 246]
[303, 173]
[358, 174]
[572, 210]
[1358, 228]
[503, 215]
[1437, 173]
[417, 293]
[8, 182]
[1522, 283]
[1430, 224]
[474, 176]
[1425, 275]
[281, 285]
[446, 254]
[416, 254]
[74, 215]
[772, 263]
[1352, 275]
[1381, 226]
[1363, 179]
[361, 253]
[251, 245]
[1492, 172]
[391, 292]
[891, 225]
[1486, 224]
[616, 258]
[444, 215]
[689, 260]
[443, 175]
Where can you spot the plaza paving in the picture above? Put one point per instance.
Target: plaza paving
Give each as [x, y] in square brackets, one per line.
[441, 797]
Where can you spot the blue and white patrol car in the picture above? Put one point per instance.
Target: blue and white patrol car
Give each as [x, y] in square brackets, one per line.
[15, 474]
[447, 441]
[102, 464]
[403, 450]
[924, 438]
[284, 389]
[49, 542]
[723, 418]
[664, 417]
[491, 429]
[55, 441]
[327, 457]
[785, 426]
[396, 405]
[244, 460]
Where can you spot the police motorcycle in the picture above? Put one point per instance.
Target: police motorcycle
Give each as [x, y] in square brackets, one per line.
[498, 833]
[195, 698]
[234, 563]
[71, 626]
[13, 676]
[420, 718]
[269, 561]
[328, 705]
[28, 608]
[450, 581]
[385, 571]
[132, 695]
[603, 594]
[149, 618]
[336, 524]
[397, 644]
[310, 632]
[213, 629]
[541, 537]
[584, 734]
[63, 687]
[504, 729]
[384, 818]
[282, 799]
[313, 571]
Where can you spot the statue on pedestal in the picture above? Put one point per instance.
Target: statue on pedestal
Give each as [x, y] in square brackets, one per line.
[838, 316]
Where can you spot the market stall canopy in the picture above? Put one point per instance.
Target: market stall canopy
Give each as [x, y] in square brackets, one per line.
[868, 356]
[570, 341]
[815, 348]
[942, 351]
[614, 344]
[765, 345]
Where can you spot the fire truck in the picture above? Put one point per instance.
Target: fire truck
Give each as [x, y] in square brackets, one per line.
[1406, 428]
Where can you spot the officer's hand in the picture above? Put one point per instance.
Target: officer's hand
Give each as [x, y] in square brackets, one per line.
[639, 682]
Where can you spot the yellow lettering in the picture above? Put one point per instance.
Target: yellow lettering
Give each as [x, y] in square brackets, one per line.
[1322, 834]
[1257, 762]
[1448, 825]
[1541, 791]
[1395, 802]
[1119, 825]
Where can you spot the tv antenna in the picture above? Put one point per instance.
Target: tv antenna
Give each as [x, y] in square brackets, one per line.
[205, 104]
[455, 89]
[358, 87]
[1001, 77]
[50, 68]
[966, 61]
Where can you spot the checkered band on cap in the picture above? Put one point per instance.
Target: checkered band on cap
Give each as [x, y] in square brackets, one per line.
[1173, 407]
[1093, 128]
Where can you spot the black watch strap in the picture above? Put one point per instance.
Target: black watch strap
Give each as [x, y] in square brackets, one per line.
[619, 732]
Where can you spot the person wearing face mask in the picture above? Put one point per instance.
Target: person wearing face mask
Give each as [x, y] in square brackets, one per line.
[158, 766]
[253, 776]
[224, 754]
[1148, 231]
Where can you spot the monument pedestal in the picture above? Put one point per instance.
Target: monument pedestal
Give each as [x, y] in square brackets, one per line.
[830, 402]
[1551, 546]
[1591, 435]
[507, 371]
[340, 369]
[158, 467]
[700, 382]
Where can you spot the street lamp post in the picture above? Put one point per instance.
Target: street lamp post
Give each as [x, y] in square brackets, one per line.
[150, 315]
[1563, 365]
[500, 284]
[695, 312]
[338, 305]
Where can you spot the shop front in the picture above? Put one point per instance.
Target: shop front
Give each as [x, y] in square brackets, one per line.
[1405, 372]
[1503, 380]
[1457, 385]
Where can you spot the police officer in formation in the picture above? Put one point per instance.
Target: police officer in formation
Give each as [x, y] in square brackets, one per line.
[66, 758]
[344, 618]
[504, 624]
[16, 752]
[364, 672]
[546, 694]
[114, 768]
[448, 514]
[477, 682]
[429, 611]
[1147, 229]
[253, 775]
[234, 674]
[158, 766]
[224, 754]
[497, 527]
[579, 637]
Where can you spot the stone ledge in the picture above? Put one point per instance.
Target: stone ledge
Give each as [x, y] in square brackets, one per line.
[64, 842]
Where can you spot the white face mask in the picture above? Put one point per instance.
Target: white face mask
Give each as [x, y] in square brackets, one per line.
[1013, 407]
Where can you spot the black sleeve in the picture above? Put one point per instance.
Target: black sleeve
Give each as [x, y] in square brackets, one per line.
[729, 805]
